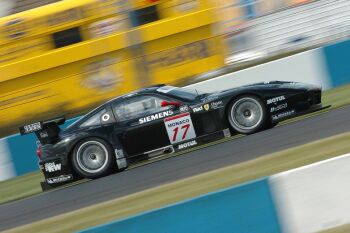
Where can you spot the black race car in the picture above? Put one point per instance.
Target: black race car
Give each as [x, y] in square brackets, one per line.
[162, 120]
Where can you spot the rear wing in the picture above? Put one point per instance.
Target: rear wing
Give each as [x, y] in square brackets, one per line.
[46, 131]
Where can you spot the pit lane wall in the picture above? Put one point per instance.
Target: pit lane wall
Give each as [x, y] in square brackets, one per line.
[245, 209]
[326, 66]
[307, 199]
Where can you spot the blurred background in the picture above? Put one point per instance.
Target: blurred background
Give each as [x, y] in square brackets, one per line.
[66, 57]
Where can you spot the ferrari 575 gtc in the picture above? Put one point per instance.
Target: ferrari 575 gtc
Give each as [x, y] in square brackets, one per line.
[161, 120]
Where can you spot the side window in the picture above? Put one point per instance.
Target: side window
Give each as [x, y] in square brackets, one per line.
[137, 107]
[94, 119]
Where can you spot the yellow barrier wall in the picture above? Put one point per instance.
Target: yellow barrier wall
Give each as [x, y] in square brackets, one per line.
[38, 81]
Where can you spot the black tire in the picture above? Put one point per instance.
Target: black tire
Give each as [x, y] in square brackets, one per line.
[247, 115]
[92, 158]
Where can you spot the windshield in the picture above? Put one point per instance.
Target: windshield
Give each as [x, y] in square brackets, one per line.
[81, 119]
[182, 93]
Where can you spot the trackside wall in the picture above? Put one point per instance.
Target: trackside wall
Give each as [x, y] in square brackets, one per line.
[245, 209]
[307, 67]
[327, 67]
[337, 58]
[309, 199]
[6, 165]
[313, 198]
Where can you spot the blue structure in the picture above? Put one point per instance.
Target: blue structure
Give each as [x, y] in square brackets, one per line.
[338, 62]
[245, 209]
[23, 151]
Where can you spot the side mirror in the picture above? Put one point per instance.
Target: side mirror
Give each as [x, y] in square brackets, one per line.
[167, 103]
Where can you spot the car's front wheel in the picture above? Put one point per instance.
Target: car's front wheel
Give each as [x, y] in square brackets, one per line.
[92, 158]
[247, 115]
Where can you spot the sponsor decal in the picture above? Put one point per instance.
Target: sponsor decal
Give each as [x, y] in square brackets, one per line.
[206, 107]
[178, 123]
[59, 179]
[106, 117]
[184, 108]
[30, 47]
[44, 134]
[61, 17]
[32, 127]
[15, 28]
[276, 99]
[102, 75]
[121, 161]
[216, 104]
[107, 26]
[119, 154]
[155, 116]
[187, 144]
[179, 128]
[283, 115]
[197, 109]
[180, 55]
[279, 107]
[52, 167]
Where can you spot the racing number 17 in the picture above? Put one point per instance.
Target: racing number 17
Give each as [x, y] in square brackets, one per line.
[184, 128]
[179, 128]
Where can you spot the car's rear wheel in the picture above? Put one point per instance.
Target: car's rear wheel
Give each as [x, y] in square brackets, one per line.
[247, 114]
[92, 158]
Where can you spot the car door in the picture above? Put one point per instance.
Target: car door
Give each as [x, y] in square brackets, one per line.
[140, 123]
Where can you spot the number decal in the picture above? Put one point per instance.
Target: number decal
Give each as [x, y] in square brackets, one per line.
[176, 130]
[179, 128]
[186, 127]
[175, 133]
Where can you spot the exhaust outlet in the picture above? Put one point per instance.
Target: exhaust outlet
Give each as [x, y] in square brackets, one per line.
[161, 151]
[169, 150]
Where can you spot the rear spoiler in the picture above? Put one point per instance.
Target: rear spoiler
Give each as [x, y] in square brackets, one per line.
[46, 131]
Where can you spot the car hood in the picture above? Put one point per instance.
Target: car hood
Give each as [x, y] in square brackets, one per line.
[265, 85]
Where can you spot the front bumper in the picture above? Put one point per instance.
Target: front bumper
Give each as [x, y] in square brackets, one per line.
[296, 105]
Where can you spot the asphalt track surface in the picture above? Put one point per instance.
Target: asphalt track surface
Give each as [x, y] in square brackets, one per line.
[165, 171]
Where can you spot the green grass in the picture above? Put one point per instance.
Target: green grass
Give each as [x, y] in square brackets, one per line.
[28, 185]
[192, 187]
[341, 229]
[20, 187]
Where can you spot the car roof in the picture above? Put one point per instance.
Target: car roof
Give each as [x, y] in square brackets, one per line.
[150, 89]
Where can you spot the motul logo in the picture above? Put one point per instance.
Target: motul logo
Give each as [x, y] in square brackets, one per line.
[276, 99]
[187, 144]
